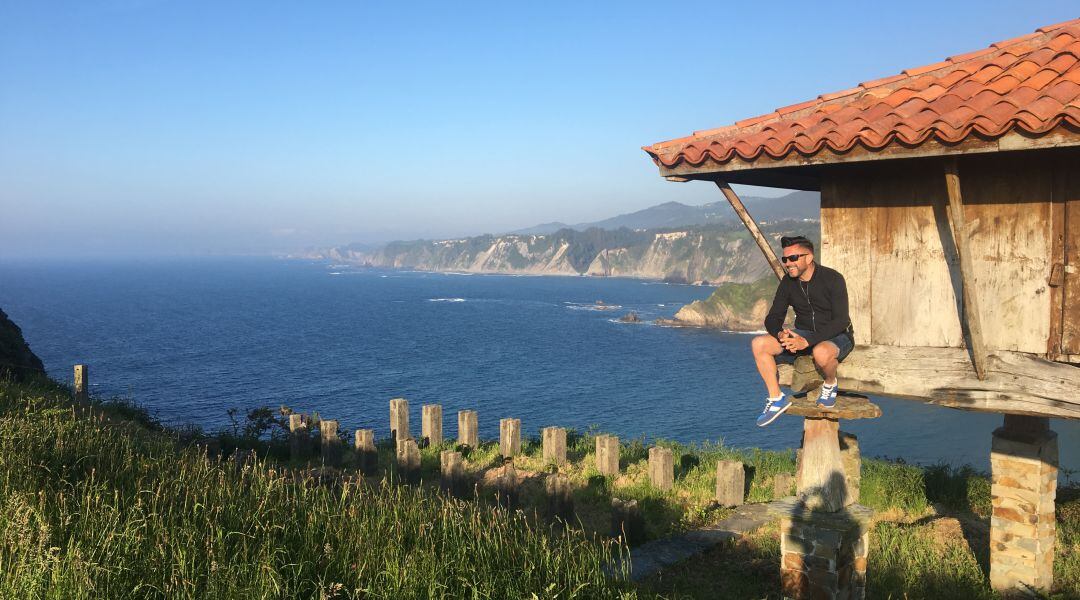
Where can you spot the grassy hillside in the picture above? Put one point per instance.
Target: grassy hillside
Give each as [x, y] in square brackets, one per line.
[101, 502]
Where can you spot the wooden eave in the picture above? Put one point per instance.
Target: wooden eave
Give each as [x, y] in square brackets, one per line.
[803, 172]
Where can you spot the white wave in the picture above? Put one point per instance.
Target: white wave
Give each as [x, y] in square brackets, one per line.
[335, 273]
[446, 299]
[660, 305]
[596, 307]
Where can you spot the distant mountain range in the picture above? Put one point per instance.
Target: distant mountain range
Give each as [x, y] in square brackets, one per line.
[794, 206]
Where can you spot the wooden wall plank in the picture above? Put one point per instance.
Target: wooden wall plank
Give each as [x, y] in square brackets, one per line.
[1007, 201]
[1070, 339]
[845, 246]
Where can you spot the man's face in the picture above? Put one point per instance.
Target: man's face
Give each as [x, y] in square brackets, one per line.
[797, 267]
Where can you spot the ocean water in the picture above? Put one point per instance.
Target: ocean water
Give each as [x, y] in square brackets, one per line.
[191, 338]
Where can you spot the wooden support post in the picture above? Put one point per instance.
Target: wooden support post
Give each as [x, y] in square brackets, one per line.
[399, 420]
[452, 472]
[1023, 528]
[82, 384]
[467, 428]
[554, 440]
[972, 315]
[408, 459]
[822, 485]
[298, 437]
[331, 443]
[662, 468]
[730, 482]
[365, 449]
[509, 437]
[752, 226]
[431, 424]
[607, 454]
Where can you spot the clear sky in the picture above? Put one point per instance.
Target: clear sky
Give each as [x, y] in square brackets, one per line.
[164, 127]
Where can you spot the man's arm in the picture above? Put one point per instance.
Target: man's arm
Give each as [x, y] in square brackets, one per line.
[774, 321]
[840, 321]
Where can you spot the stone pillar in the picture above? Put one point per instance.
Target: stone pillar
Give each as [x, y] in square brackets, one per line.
[554, 445]
[408, 459]
[298, 437]
[82, 384]
[452, 472]
[431, 424]
[506, 484]
[510, 437]
[365, 449]
[662, 468]
[730, 482]
[852, 459]
[330, 442]
[467, 428]
[560, 496]
[823, 555]
[626, 520]
[782, 484]
[607, 454]
[399, 419]
[1024, 467]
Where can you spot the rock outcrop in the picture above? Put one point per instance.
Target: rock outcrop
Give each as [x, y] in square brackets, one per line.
[731, 307]
[17, 361]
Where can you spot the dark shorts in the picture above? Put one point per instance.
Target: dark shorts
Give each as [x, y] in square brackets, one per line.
[842, 341]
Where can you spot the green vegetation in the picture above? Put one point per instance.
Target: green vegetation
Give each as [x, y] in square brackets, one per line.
[740, 297]
[101, 501]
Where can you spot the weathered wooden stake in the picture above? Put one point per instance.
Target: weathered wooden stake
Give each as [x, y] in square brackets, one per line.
[782, 485]
[408, 460]
[510, 437]
[554, 439]
[730, 482]
[607, 454]
[752, 227]
[330, 442]
[298, 437]
[82, 384]
[626, 520]
[560, 496]
[972, 315]
[452, 472]
[365, 449]
[431, 424]
[662, 468]
[467, 425]
[822, 485]
[399, 420]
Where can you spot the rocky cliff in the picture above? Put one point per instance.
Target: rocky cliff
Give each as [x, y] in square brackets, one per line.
[731, 307]
[17, 361]
[708, 253]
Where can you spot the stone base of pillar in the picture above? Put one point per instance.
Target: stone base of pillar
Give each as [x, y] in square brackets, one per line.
[823, 555]
[1024, 465]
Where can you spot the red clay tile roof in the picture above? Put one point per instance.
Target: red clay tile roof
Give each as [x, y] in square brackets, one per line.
[1030, 83]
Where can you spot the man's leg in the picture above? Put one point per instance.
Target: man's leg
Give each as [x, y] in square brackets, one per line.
[765, 348]
[825, 354]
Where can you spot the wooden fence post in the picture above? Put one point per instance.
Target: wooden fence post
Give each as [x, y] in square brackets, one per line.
[408, 459]
[662, 468]
[82, 384]
[365, 449]
[554, 445]
[510, 437]
[467, 428]
[399, 419]
[730, 482]
[298, 437]
[331, 444]
[607, 454]
[431, 424]
[452, 472]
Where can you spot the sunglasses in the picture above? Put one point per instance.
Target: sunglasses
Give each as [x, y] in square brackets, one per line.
[793, 257]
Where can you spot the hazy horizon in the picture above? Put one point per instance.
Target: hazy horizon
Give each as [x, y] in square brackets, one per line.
[138, 127]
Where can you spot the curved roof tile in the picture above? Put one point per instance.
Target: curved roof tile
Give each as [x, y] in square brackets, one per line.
[1029, 83]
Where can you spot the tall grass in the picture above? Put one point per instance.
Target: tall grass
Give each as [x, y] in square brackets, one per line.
[114, 510]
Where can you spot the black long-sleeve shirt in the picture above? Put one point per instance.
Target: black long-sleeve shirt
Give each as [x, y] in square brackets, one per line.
[821, 305]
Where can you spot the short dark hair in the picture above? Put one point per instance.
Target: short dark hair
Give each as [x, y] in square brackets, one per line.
[796, 240]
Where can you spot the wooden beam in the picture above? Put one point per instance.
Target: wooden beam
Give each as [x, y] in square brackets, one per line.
[1015, 383]
[752, 226]
[972, 317]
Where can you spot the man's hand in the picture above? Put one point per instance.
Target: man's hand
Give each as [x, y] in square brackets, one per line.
[792, 342]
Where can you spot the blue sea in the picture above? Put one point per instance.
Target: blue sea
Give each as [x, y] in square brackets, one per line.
[191, 338]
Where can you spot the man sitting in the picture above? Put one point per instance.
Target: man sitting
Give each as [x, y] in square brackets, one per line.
[822, 329]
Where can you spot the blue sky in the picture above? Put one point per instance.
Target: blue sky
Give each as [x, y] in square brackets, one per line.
[167, 127]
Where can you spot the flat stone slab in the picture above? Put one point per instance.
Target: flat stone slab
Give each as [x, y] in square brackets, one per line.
[847, 407]
[652, 557]
[793, 508]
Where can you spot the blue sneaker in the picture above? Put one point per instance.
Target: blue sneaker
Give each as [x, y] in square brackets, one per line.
[827, 398]
[773, 409]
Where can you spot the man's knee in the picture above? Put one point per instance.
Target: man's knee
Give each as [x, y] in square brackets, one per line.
[765, 344]
[825, 352]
